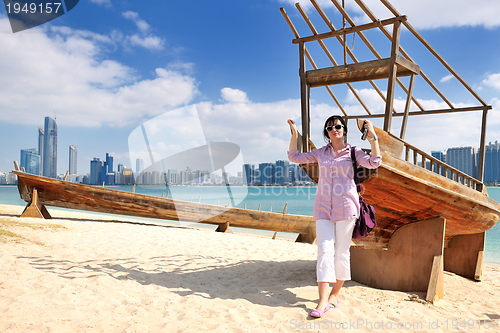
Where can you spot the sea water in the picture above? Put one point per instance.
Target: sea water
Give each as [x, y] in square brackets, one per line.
[295, 200]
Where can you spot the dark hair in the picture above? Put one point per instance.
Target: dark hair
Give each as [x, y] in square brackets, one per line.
[331, 119]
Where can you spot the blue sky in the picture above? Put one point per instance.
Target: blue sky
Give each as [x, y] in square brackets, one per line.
[108, 66]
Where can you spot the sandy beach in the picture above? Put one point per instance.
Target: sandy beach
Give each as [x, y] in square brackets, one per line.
[82, 272]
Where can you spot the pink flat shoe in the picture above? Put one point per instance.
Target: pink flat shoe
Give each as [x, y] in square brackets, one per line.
[318, 313]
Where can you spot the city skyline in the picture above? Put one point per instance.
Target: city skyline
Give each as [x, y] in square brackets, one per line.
[279, 172]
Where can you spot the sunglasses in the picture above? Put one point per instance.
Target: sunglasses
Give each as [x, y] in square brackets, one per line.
[331, 128]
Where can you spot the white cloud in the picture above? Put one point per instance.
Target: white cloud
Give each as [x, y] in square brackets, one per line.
[141, 24]
[234, 95]
[70, 77]
[424, 14]
[148, 42]
[493, 80]
[144, 38]
[105, 3]
[446, 78]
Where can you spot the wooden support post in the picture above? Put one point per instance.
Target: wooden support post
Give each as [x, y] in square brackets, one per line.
[464, 255]
[407, 108]
[224, 227]
[304, 97]
[482, 149]
[309, 237]
[391, 84]
[35, 209]
[408, 264]
[435, 290]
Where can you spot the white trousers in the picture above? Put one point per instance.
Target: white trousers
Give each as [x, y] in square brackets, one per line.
[334, 257]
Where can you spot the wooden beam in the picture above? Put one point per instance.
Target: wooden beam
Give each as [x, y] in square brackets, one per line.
[482, 148]
[422, 113]
[361, 71]
[393, 71]
[478, 274]
[434, 52]
[224, 227]
[309, 237]
[350, 30]
[304, 98]
[403, 52]
[372, 49]
[311, 60]
[435, 291]
[407, 108]
[334, 62]
[34, 208]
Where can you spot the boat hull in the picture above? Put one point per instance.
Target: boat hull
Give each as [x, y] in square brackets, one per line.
[57, 193]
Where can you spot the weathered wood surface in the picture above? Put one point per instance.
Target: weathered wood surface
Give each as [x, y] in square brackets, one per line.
[408, 263]
[464, 255]
[57, 193]
[363, 71]
[403, 193]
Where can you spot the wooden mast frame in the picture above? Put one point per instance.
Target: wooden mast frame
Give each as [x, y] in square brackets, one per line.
[397, 65]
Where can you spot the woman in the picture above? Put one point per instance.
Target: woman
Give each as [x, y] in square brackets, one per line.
[336, 206]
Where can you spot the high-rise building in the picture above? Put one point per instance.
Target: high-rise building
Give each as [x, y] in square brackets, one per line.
[40, 148]
[95, 171]
[492, 163]
[266, 171]
[73, 160]
[30, 161]
[281, 172]
[463, 159]
[109, 163]
[49, 158]
[440, 155]
[139, 165]
[107, 173]
[248, 174]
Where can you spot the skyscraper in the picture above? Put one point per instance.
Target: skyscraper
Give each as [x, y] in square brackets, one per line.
[266, 172]
[95, 171]
[139, 165]
[40, 148]
[30, 161]
[109, 163]
[281, 172]
[440, 155]
[492, 163]
[463, 159]
[49, 158]
[248, 174]
[73, 160]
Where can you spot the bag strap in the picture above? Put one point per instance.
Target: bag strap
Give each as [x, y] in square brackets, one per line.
[355, 168]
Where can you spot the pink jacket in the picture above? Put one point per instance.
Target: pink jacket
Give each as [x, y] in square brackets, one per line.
[336, 197]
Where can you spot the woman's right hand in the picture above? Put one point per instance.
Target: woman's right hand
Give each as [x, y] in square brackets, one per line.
[293, 127]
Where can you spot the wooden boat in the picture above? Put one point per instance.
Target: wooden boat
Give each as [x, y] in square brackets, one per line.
[431, 217]
[41, 191]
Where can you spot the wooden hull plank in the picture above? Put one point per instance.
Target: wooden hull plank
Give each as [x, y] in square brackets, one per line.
[57, 193]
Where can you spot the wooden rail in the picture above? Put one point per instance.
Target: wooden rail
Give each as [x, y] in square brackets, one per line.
[418, 157]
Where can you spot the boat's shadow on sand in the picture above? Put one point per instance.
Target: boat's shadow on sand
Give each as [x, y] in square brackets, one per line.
[260, 282]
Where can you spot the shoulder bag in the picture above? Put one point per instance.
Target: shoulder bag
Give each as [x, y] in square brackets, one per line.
[366, 220]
